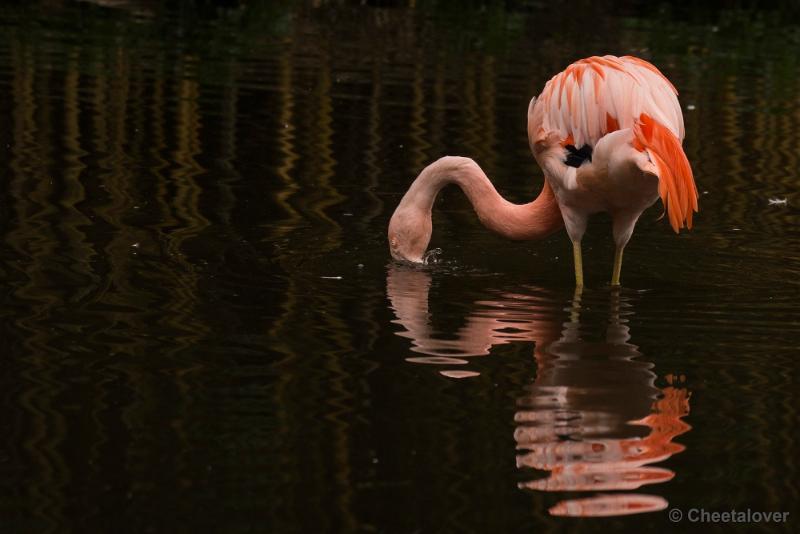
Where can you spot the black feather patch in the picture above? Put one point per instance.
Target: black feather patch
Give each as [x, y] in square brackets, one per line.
[576, 156]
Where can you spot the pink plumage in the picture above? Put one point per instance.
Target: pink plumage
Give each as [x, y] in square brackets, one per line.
[579, 101]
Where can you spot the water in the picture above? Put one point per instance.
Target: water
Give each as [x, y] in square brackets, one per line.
[202, 329]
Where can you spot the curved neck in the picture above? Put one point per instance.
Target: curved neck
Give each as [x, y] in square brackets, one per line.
[534, 220]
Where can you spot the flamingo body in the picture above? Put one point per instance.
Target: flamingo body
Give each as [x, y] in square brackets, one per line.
[594, 98]
[607, 132]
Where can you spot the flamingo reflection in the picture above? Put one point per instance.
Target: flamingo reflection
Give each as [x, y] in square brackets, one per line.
[593, 420]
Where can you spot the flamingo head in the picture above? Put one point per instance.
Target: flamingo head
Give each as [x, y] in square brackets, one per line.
[409, 234]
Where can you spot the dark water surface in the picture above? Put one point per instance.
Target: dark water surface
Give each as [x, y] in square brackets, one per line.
[202, 330]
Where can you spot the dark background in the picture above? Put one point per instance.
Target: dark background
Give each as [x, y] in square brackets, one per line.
[199, 328]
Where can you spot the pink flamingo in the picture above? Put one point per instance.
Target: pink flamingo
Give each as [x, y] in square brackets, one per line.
[607, 133]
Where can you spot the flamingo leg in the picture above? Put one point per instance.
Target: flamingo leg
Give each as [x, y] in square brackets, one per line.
[617, 266]
[576, 254]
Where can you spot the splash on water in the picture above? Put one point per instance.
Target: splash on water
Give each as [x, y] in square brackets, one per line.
[432, 256]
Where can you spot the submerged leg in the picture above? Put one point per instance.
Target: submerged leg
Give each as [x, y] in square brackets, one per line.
[578, 259]
[617, 266]
[575, 309]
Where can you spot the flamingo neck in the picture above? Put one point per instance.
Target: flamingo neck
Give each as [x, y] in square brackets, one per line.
[410, 226]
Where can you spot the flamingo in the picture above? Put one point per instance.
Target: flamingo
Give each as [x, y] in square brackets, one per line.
[607, 133]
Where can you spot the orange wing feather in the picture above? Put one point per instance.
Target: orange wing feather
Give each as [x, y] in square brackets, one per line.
[676, 182]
